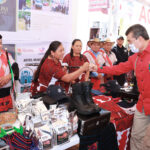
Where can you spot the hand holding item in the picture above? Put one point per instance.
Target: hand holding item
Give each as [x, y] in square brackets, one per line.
[93, 67]
[85, 66]
[4, 80]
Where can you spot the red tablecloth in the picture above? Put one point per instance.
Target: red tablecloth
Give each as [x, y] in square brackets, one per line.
[119, 118]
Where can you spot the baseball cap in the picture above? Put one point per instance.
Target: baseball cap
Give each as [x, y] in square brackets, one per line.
[55, 94]
[112, 87]
[120, 38]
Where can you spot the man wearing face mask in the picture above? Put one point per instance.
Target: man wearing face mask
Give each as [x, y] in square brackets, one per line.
[139, 43]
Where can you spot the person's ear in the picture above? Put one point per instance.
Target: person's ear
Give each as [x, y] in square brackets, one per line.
[52, 53]
[140, 38]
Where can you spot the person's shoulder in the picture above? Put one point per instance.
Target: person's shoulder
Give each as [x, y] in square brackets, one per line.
[133, 57]
[84, 56]
[125, 49]
[48, 61]
[67, 55]
[114, 49]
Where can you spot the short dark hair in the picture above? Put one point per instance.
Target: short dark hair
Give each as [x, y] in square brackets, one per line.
[138, 30]
[1, 36]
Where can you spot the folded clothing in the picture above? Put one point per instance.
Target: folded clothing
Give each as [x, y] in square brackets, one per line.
[126, 104]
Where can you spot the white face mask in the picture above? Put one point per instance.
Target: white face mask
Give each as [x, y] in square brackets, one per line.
[133, 48]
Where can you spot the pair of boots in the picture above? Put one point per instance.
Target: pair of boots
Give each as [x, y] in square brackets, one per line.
[82, 98]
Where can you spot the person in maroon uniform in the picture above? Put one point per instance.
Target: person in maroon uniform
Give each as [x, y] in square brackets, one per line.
[75, 59]
[50, 70]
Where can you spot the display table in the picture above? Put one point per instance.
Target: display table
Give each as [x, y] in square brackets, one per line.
[119, 118]
[73, 141]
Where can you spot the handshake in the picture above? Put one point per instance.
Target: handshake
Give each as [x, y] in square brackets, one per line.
[89, 67]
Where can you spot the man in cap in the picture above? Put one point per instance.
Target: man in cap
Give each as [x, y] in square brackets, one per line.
[122, 56]
[94, 57]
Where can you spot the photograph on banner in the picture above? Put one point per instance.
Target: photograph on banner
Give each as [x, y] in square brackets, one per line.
[24, 21]
[43, 5]
[24, 5]
[25, 75]
[7, 15]
[98, 30]
[61, 6]
[10, 48]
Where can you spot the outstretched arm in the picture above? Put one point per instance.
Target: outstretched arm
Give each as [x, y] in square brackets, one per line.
[117, 69]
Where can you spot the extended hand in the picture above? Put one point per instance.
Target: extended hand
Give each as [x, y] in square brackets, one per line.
[93, 67]
[85, 66]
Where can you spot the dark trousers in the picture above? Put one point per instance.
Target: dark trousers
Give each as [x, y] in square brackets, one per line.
[106, 139]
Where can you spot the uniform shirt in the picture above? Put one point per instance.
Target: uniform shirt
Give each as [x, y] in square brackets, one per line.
[4, 67]
[103, 58]
[75, 61]
[140, 63]
[90, 58]
[121, 53]
[50, 72]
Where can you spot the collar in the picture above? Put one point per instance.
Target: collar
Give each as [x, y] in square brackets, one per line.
[147, 49]
[109, 52]
[94, 52]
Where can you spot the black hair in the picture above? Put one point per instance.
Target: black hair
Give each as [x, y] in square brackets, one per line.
[52, 47]
[1, 37]
[138, 30]
[71, 51]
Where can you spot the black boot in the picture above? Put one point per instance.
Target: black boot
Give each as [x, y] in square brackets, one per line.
[87, 87]
[78, 102]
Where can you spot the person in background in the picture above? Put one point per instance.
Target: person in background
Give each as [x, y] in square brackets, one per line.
[94, 57]
[74, 60]
[139, 43]
[108, 58]
[122, 55]
[5, 78]
[50, 70]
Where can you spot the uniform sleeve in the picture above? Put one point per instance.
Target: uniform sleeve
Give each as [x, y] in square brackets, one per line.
[59, 72]
[118, 69]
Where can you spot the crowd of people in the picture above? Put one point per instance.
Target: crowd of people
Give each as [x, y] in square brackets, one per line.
[103, 61]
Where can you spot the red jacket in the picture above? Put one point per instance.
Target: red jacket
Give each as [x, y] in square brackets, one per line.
[142, 70]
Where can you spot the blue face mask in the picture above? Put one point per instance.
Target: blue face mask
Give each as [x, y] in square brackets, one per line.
[133, 48]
